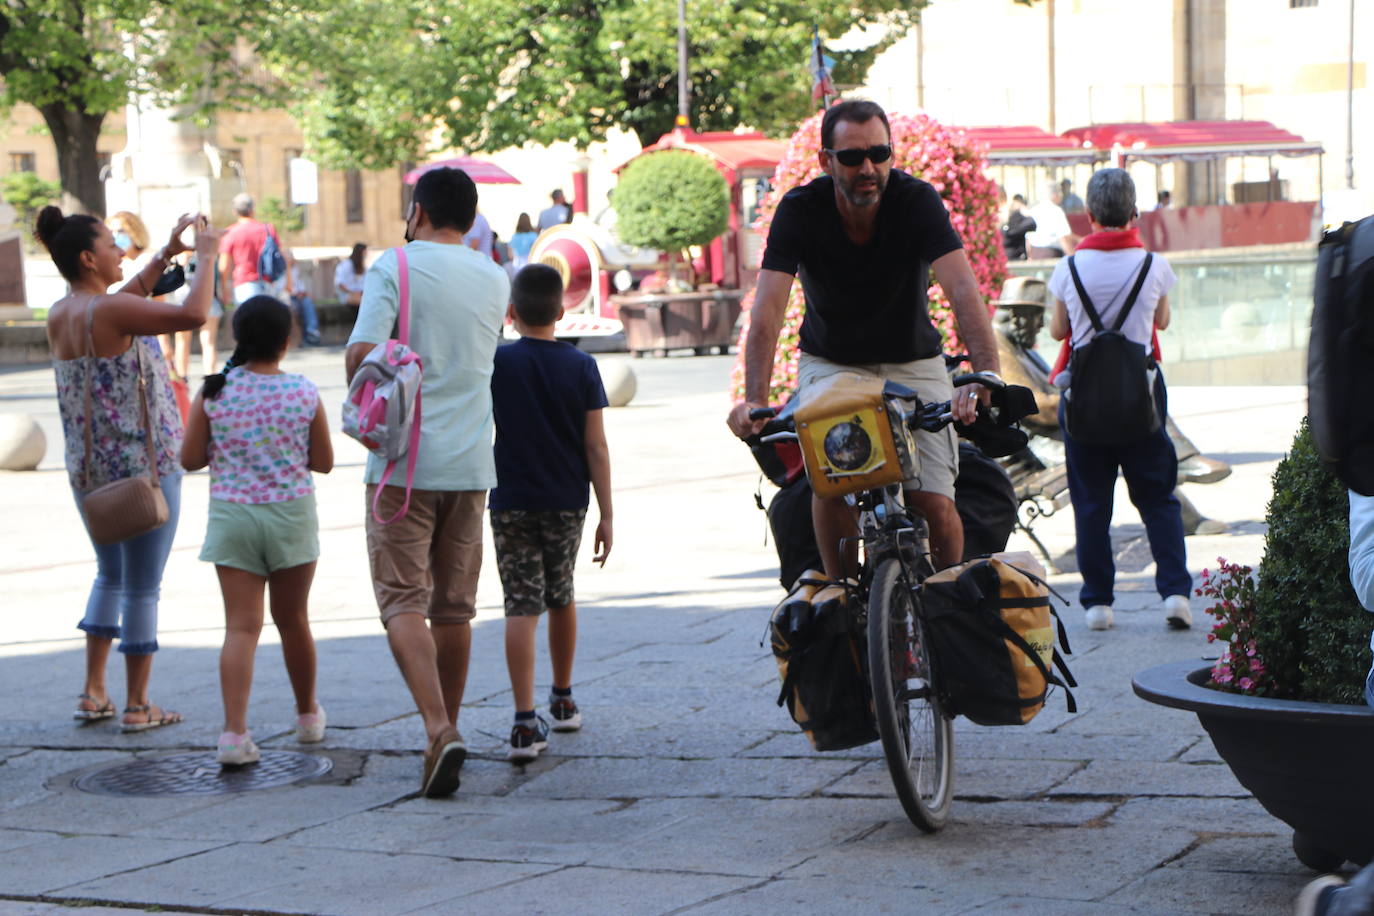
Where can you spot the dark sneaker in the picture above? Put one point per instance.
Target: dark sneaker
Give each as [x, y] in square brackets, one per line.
[527, 738]
[443, 760]
[563, 712]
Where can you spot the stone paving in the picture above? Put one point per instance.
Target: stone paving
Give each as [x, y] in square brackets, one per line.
[688, 790]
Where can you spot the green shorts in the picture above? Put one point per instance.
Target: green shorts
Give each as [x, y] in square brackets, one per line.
[262, 538]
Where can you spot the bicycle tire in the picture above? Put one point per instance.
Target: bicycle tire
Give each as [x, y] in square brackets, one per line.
[917, 736]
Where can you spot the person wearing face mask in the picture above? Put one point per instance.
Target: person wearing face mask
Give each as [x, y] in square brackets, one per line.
[425, 563]
[863, 239]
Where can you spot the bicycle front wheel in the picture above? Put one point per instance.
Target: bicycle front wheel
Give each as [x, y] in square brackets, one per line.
[918, 738]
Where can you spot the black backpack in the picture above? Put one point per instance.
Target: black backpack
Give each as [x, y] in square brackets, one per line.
[1340, 354]
[1111, 398]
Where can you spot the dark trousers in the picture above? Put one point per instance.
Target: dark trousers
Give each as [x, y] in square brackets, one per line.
[1151, 470]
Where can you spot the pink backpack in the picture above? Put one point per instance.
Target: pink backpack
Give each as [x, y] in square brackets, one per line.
[382, 410]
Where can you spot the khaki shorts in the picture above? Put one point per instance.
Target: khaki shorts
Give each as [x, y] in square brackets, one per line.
[427, 562]
[937, 453]
[535, 554]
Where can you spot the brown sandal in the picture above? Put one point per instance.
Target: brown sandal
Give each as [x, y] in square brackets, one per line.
[164, 717]
[93, 715]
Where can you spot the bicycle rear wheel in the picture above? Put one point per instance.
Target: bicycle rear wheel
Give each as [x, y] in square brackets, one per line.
[918, 738]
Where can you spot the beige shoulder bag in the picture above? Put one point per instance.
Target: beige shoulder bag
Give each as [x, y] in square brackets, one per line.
[121, 509]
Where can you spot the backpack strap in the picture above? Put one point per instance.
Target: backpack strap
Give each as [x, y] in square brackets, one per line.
[403, 318]
[1083, 298]
[1135, 291]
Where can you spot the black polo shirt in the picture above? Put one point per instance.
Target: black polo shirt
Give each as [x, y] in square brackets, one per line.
[864, 303]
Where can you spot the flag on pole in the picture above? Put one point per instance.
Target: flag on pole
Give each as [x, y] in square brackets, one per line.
[822, 88]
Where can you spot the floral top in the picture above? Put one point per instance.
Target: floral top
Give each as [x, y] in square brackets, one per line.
[118, 449]
[260, 437]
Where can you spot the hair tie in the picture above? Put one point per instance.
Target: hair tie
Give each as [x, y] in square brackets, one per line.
[231, 363]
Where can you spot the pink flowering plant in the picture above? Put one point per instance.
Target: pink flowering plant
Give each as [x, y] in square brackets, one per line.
[1239, 669]
[921, 146]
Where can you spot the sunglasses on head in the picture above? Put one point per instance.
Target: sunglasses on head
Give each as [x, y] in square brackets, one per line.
[852, 157]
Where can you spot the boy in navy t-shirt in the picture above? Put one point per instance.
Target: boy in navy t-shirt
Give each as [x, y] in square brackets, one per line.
[550, 444]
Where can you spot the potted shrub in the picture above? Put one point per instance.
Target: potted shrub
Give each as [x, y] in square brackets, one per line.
[1283, 703]
[671, 200]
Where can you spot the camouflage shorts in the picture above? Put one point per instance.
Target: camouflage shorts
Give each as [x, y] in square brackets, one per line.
[535, 555]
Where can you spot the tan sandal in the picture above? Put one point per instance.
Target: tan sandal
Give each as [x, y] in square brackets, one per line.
[164, 717]
[83, 714]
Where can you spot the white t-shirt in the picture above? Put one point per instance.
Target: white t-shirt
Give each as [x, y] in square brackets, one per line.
[346, 278]
[457, 305]
[1051, 225]
[481, 234]
[555, 215]
[1108, 277]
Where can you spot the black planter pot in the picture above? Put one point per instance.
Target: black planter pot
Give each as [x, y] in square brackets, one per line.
[1311, 765]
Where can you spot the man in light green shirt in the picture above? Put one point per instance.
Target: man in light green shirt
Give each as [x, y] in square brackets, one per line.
[425, 564]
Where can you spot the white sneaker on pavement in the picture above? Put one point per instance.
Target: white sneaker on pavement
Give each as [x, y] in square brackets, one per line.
[310, 727]
[1099, 617]
[1176, 613]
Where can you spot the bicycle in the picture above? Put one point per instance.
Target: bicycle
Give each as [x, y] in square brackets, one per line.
[909, 710]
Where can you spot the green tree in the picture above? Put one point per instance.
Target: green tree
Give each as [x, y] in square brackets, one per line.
[27, 194]
[671, 201]
[286, 217]
[77, 62]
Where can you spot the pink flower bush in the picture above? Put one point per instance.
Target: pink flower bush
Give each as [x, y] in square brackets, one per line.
[921, 146]
[1240, 669]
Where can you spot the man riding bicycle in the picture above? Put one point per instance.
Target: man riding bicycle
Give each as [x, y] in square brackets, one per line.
[863, 239]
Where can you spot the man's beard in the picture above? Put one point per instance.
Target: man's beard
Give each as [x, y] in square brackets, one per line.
[867, 197]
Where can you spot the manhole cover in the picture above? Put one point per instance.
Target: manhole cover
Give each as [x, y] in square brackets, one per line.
[199, 774]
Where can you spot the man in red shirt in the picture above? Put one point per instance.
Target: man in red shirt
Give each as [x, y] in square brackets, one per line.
[238, 268]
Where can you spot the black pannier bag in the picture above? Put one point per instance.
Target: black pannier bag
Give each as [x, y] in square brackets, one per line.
[992, 638]
[986, 501]
[1340, 354]
[820, 661]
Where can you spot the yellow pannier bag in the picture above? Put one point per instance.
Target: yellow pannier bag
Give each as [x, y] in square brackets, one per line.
[852, 437]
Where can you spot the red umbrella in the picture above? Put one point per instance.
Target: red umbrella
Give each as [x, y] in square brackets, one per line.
[479, 171]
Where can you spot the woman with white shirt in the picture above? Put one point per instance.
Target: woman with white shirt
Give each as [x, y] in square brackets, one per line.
[1109, 262]
[348, 276]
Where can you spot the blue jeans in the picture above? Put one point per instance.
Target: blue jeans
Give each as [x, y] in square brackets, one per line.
[128, 579]
[1151, 471]
[1369, 688]
[304, 308]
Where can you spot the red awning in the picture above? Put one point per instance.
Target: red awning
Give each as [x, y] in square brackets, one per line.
[479, 171]
[734, 151]
[1028, 146]
[1192, 140]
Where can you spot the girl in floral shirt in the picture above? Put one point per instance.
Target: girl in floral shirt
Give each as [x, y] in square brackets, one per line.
[261, 431]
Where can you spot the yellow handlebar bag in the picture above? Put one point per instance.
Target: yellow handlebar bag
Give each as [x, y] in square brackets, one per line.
[853, 438]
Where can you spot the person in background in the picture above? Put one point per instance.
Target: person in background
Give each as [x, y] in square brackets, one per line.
[1109, 261]
[1165, 200]
[557, 214]
[1051, 237]
[349, 275]
[1072, 202]
[303, 307]
[479, 238]
[522, 242]
[100, 344]
[238, 269]
[1014, 230]
[261, 431]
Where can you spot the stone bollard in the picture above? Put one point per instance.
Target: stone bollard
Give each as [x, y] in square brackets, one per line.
[22, 443]
[619, 381]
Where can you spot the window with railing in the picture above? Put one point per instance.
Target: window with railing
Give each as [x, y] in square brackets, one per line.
[23, 162]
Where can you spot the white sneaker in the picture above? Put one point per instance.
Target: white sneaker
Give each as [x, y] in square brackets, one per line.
[237, 750]
[1099, 617]
[310, 727]
[1176, 613]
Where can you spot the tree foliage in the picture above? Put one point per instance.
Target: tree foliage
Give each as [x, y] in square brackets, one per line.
[670, 200]
[1309, 625]
[27, 194]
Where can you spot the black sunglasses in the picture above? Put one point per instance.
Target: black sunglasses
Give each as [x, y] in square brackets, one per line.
[852, 157]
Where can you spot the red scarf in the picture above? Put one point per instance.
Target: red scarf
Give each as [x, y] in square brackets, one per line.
[1102, 240]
